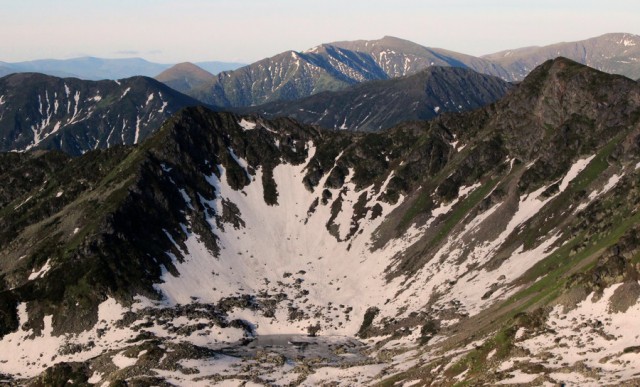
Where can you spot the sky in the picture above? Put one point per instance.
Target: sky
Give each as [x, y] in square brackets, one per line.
[171, 31]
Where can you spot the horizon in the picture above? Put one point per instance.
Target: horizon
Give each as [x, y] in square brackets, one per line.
[245, 31]
[89, 56]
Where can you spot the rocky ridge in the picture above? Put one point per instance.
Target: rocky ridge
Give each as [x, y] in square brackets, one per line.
[379, 105]
[479, 247]
[43, 112]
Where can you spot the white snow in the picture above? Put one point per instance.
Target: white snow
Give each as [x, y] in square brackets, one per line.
[59, 194]
[352, 376]
[186, 198]
[125, 92]
[25, 354]
[137, 135]
[470, 288]
[95, 378]
[23, 203]
[247, 125]
[294, 241]
[40, 273]
[436, 109]
[612, 182]
[600, 334]
[163, 107]
[444, 208]
[122, 361]
[628, 42]
[519, 377]
[575, 169]
[149, 99]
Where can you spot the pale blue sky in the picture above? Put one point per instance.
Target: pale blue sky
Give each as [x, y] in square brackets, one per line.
[248, 30]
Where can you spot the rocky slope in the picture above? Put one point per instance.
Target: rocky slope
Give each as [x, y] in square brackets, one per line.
[399, 57]
[496, 246]
[617, 53]
[43, 112]
[184, 77]
[329, 67]
[378, 105]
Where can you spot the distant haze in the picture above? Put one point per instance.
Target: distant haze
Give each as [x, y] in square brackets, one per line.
[167, 31]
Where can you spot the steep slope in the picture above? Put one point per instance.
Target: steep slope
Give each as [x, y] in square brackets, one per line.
[39, 111]
[378, 105]
[399, 57]
[185, 77]
[613, 53]
[455, 250]
[329, 67]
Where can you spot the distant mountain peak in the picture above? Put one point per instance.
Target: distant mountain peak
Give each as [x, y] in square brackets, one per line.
[615, 53]
[184, 69]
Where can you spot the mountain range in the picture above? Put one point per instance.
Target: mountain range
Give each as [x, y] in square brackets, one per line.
[329, 67]
[495, 246]
[617, 53]
[73, 115]
[292, 75]
[91, 68]
[379, 105]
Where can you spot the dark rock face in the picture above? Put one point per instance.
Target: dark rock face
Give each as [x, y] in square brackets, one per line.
[75, 116]
[379, 105]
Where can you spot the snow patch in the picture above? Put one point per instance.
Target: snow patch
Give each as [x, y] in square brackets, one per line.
[575, 169]
[601, 335]
[125, 92]
[40, 273]
[137, 135]
[247, 125]
[121, 361]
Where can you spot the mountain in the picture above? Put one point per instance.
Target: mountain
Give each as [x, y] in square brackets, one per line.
[617, 53]
[378, 105]
[184, 77]
[493, 246]
[6, 69]
[91, 68]
[44, 112]
[398, 57]
[330, 67]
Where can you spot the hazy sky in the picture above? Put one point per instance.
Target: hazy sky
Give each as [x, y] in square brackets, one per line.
[247, 30]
